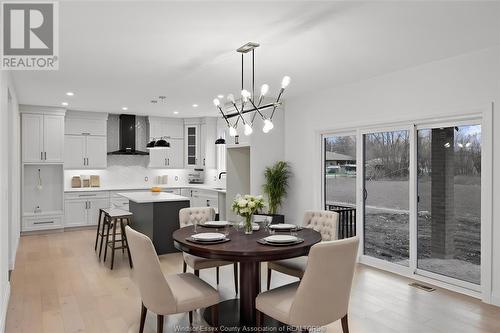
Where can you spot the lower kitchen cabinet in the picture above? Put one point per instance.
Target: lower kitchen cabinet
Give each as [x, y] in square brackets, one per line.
[36, 222]
[81, 209]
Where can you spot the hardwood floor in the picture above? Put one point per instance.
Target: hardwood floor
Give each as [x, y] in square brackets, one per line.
[58, 285]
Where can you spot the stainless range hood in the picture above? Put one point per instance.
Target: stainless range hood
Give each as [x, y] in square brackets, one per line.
[127, 137]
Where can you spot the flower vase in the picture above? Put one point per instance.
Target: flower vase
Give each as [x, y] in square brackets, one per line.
[248, 227]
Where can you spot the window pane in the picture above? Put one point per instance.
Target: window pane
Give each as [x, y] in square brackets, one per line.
[449, 207]
[340, 170]
[386, 177]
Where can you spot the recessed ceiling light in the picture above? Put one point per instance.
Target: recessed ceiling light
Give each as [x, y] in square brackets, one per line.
[70, 93]
[176, 112]
[220, 96]
[124, 108]
[195, 105]
[64, 104]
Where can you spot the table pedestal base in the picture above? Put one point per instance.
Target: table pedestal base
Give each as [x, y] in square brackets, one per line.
[229, 317]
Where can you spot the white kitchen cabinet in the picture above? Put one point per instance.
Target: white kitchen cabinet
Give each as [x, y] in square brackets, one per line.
[75, 213]
[84, 125]
[200, 136]
[171, 158]
[93, 211]
[97, 155]
[41, 222]
[208, 135]
[192, 146]
[85, 152]
[81, 209]
[42, 138]
[169, 128]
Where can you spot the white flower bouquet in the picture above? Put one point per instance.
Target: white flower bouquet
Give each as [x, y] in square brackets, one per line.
[246, 206]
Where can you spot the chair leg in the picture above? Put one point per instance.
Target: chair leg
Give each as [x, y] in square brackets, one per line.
[108, 227]
[217, 274]
[113, 242]
[122, 230]
[345, 325]
[190, 318]
[143, 318]
[184, 267]
[215, 316]
[104, 223]
[235, 272]
[197, 272]
[259, 319]
[125, 241]
[98, 227]
[159, 324]
[269, 278]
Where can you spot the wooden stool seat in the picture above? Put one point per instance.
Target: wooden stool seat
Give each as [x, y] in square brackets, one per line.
[116, 213]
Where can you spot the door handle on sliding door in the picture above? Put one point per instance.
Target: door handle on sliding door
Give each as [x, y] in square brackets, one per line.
[365, 194]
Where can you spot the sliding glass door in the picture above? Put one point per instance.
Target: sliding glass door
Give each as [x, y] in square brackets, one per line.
[386, 195]
[449, 202]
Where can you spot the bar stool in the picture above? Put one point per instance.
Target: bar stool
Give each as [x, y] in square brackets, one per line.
[111, 219]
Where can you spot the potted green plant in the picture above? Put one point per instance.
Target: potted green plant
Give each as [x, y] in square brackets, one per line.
[276, 187]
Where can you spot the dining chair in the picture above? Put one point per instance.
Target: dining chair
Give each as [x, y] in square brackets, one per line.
[166, 294]
[322, 296]
[187, 217]
[323, 221]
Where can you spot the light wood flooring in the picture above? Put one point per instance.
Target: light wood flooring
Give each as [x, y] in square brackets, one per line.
[58, 285]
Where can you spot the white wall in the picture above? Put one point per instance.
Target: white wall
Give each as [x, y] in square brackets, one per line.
[448, 86]
[9, 191]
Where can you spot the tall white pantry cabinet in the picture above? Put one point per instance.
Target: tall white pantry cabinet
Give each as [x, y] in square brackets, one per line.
[42, 151]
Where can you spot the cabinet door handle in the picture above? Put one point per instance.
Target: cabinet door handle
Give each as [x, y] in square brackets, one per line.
[88, 161]
[43, 222]
[87, 195]
[90, 204]
[203, 162]
[84, 161]
[168, 161]
[41, 155]
[165, 161]
[45, 155]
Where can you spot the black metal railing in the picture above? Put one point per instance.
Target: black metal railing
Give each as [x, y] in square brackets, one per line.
[347, 220]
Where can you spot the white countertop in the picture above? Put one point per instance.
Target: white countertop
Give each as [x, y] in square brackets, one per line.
[144, 187]
[147, 197]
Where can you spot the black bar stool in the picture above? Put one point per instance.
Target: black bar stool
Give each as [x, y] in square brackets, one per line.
[113, 217]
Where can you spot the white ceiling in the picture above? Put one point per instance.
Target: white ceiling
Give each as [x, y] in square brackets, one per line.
[115, 54]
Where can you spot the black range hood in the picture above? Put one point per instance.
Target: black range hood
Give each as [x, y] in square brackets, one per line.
[127, 137]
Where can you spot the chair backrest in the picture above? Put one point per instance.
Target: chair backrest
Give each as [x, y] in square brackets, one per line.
[323, 293]
[187, 216]
[324, 222]
[147, 275]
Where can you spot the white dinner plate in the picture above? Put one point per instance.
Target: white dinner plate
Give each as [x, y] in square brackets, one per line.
[281, 239]
[282, 226]
[208, 236]
[215, 223]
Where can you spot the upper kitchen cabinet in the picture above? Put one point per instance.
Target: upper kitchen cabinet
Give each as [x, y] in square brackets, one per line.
[85, 140]
[200, 136]
[208, 135]
[42, 134]
[172, 130]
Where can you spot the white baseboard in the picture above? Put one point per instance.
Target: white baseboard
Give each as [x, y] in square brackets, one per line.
[12, 262]
[4, 305]
[495, 299]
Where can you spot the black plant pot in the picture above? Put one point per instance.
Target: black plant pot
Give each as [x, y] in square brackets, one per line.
[277, 218]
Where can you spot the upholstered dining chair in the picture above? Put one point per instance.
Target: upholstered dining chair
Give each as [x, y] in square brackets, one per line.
[322, 296]
[166, 294]
[326, 223]
[187, 216]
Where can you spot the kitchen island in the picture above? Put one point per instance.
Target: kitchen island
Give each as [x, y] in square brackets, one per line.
[157, 216]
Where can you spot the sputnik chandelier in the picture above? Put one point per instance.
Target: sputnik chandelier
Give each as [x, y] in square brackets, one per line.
[248, 103]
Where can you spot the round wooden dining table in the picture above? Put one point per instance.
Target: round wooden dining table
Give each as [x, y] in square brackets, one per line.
[249, 253]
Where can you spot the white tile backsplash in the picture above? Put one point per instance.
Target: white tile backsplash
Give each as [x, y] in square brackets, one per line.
[132, 170]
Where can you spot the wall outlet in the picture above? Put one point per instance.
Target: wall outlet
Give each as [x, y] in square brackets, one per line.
[146, 179]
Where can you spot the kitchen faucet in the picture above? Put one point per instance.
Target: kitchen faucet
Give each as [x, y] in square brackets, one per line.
[223, 172]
